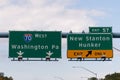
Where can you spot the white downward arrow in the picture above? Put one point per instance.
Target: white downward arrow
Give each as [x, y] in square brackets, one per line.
[20, 53]
[49, 53]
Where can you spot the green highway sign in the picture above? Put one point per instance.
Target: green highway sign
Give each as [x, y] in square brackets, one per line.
[83, 44]
[100, 29]
[35, 44]
[89, 41]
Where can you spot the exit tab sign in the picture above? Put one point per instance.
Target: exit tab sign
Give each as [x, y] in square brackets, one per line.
[35, 44]
[100, 29]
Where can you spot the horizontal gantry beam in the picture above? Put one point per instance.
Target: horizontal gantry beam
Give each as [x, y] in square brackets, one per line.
[64, 35]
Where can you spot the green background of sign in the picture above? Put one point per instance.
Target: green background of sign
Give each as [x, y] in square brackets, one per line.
[100, 29]
[17, 37]
[74, 45]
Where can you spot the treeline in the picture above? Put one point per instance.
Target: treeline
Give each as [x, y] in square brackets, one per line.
[2, 77]
[114, 76]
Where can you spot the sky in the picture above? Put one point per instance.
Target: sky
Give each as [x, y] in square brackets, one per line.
[57, 15]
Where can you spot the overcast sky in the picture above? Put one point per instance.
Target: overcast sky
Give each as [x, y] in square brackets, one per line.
[57, 15]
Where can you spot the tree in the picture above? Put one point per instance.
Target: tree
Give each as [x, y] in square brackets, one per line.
[92, 78]
[114, 76]
[101, 79]
[2, 77]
